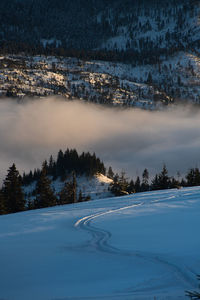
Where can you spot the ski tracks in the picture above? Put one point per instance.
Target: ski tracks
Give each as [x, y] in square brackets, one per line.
[100, 238]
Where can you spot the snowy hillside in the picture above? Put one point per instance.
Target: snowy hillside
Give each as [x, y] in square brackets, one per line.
[155, 25]
[97, 187]
[145, 28]
[175, 79]
[138, 247]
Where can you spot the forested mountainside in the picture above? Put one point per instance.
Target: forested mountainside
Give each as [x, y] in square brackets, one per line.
[149, 50]
[174, 80]
[107, 29]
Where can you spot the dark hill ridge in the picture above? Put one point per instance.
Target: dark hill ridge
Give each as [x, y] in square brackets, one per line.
[112, 29]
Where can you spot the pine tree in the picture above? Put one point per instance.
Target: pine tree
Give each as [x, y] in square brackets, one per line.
[80, 196]
[163, 178]
[12, 191]
[68, 194]
[120, 185]
[137, 185]
[197, 176]
[60, 167]
[110, 173]
[65, 195]
[131, 187]
[174, 183]
[2, 204]
[149, 78]
[155, 183]
[74, 187]
[190, 177]
[123, 181]
[193, 295]
[44, 194]
[145, 181]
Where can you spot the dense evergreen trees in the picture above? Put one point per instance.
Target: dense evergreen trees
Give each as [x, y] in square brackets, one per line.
[66, 163]
[51, 27]
[121, 185]
[65, 168]
[12, 198]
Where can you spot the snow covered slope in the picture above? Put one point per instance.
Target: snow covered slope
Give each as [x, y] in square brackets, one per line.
[144, 246]
[157, 24]
[173, 79]
[97, 186]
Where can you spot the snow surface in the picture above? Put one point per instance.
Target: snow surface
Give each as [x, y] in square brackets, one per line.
[143, 246]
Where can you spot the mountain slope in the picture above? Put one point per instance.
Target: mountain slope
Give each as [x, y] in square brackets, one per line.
[144, 29]
[135, 247]
[95, 187]
[175, 79]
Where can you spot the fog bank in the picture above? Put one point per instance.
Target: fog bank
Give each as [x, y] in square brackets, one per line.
[128, 139]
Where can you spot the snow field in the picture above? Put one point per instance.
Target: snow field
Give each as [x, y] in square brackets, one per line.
[143, 246]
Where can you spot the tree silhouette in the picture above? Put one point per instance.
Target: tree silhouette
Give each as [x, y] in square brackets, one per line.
[2, 204]
[193, 295]
[44, 194]
[12, 191]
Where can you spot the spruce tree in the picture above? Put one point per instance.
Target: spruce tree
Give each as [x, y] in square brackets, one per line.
[12, 191]
[163, 178]
[68, 194]
[60, 167]
[80, 196]
[190, 177]
[44, 194]
[149, 78]
[155, 183]
[74, 187]
[65, 195]
[110, 173]
[145, 181]
[2, 204]
[137, 185]
[120, 185]
[131, 187]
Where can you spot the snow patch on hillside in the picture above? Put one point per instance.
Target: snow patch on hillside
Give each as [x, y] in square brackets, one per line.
[97, 187]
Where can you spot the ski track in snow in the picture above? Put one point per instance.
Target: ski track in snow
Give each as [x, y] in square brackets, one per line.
[99, 242]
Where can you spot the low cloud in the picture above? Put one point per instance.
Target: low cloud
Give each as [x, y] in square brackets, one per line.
[129, 140]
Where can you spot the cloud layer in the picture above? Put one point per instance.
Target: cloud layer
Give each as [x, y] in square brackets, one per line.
[128, 139]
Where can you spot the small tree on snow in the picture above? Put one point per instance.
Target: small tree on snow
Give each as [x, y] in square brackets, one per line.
[194, 295]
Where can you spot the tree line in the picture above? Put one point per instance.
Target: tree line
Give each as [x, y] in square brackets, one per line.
[66, 167]
[13, 199]
[161, 181]
[66, 163]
